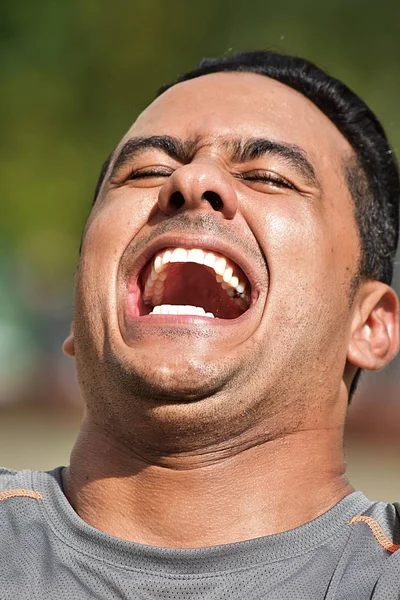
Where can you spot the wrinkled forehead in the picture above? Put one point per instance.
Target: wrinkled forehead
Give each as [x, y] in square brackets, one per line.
[242, 105]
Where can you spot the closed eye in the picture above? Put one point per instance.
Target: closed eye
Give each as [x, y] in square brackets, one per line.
[147, 173]
[267, 177]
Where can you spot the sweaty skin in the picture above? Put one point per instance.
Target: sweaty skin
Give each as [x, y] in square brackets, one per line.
[204, 432]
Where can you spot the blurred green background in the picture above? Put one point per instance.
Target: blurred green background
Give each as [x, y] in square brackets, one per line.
[73, 77]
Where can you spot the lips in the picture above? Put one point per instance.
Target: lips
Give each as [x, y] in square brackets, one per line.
[189, 281]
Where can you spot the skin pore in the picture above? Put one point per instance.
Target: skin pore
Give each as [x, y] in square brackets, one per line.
[201, 432]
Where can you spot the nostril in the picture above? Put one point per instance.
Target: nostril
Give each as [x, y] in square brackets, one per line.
[177, 200]
[214, 199]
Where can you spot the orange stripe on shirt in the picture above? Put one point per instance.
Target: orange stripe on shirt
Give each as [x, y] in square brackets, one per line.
[378, 532]
[25, 493]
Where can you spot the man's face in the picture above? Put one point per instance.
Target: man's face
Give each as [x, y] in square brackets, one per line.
[237, 168]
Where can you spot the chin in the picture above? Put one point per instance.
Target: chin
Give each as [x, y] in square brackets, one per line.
[167, 380]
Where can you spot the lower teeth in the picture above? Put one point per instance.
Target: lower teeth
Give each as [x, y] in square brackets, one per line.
[180, 309]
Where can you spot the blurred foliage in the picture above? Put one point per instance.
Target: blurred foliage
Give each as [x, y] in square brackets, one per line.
[74, 75]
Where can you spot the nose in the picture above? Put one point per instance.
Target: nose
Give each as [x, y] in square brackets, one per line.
[198, 187]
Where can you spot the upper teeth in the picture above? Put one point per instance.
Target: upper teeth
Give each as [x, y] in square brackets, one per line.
[223, 268]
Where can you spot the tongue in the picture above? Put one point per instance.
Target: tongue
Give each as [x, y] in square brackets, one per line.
[193, 284]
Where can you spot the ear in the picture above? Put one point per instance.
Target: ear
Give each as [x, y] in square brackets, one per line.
[374, 340]
[68, 346]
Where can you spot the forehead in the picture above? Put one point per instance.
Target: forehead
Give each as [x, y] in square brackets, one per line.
[242, 104]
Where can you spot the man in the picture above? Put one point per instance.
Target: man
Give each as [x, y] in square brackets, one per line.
[234, 280]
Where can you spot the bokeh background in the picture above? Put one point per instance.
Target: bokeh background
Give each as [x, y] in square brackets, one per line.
[73, 77]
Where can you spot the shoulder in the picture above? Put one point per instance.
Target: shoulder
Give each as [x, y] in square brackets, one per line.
[382, 522]
[370, 562]
[24, 533]
[18, 496]
[19, 508]
[29, 483]
[15, 482]
[6, 476]
[22, 492]
[388, 584]
[22, 511]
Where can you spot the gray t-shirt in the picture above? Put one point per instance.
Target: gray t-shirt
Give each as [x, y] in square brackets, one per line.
[48, 552]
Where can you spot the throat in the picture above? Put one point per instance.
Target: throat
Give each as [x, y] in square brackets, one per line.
[235, 499]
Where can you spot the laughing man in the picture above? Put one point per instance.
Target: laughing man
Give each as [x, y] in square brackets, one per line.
[234, 281]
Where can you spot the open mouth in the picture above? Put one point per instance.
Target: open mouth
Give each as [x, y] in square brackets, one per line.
[190, 281]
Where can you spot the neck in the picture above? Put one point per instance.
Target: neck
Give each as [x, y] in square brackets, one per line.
[185, 503]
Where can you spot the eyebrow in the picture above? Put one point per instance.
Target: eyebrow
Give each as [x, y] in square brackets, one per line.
[240, 151]
[246, 150]
[182, 151]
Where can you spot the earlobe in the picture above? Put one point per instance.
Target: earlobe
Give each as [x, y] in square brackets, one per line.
[68, 346]
[374, 340]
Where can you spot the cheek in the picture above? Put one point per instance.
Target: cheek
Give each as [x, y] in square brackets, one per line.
[298, 246]
[308, 258]
[308, 303]
[114, 220]
[109, 230]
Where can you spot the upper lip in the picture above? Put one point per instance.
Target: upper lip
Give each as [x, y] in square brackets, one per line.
[135, 264]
